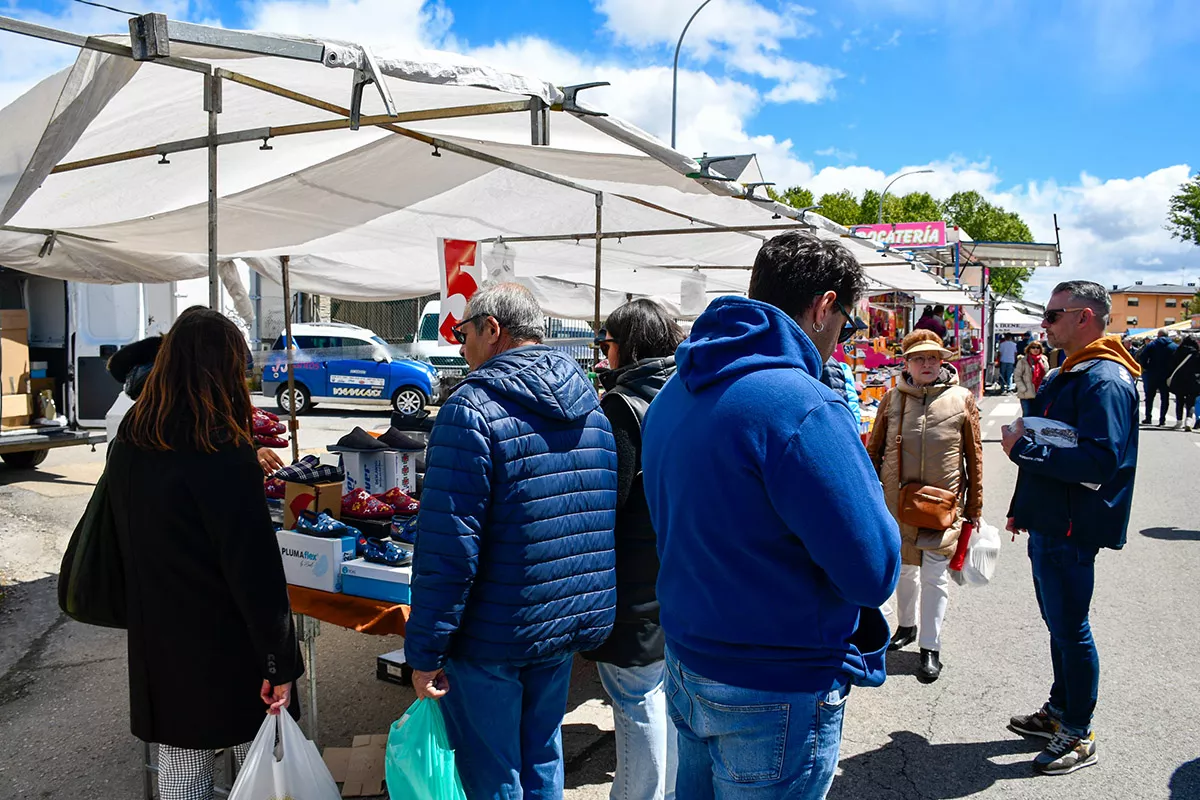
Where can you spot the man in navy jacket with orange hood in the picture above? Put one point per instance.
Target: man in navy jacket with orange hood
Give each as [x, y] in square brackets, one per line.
[776, 546]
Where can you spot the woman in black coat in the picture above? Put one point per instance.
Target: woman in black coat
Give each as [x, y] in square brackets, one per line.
[1184, 382]
[639, 340]
[211, 642]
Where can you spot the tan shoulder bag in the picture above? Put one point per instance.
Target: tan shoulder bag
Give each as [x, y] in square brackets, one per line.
[930, 508]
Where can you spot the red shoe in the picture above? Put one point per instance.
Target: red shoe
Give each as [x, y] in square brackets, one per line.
[363, 506]
[273, 442]
[275, 488]
[405, 506]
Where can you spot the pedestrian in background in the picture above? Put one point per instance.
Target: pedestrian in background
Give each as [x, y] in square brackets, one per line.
[1157, 359]
[514, 569]
[931, 320]
[1031, 370]
[775, 543]
[839, 376]
[1184, 382]
[926, 433]
[211, 638]
[639, 341]
[1074, 501]
[1006, 355]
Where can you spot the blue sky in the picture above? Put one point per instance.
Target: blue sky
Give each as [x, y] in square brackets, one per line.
[1085, 108]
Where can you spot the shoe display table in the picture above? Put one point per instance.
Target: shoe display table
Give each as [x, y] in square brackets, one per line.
[312, 607]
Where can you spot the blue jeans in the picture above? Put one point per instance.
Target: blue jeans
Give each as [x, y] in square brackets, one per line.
[1064, 575]
[505, 725]
[647, 756]
[747, 743]
[1026, 407]
[1006, 374]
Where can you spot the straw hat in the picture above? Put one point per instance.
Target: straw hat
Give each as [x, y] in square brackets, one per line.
[927, 346]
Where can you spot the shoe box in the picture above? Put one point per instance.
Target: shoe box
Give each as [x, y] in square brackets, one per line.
[380, 471]
[297, 497]
[392, 668]
[314, 561]
[371, 528]
[361, 578]
[16, 400]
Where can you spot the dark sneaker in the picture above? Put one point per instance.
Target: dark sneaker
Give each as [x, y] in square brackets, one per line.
[1065, 754]
[1040, 723]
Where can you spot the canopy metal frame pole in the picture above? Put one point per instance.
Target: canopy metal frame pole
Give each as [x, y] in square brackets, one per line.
[293, 426]
[602, 234]
[91, 43]
[599, 257]
[212, 104]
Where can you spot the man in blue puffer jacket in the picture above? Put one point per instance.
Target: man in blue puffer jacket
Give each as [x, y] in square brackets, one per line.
[515, 569]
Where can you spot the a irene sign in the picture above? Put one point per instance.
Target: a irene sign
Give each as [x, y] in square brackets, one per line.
[904, 234]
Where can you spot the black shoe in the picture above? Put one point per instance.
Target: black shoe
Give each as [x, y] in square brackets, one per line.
[931, 666]
[904, 637]
[403, 440]
[357, 441]
[1147, 421]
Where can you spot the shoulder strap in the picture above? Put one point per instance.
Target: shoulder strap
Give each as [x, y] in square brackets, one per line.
[900, 442]
[1175, 371]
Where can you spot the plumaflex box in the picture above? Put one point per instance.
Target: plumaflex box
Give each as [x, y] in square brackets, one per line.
[313, 561]
[361, 578]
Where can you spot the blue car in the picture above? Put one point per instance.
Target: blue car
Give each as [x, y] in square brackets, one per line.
[350, 366]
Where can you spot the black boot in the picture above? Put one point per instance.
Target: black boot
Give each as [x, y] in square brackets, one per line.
[904, 636]
[931, 666]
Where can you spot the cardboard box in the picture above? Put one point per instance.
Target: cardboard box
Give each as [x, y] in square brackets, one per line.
[361, 578]
[380, 471]
[401, 471]
[15, 410]
[360, 769]
[392, 668]
[14, 361]
[314, 562]
[319, 497]
[14, 318]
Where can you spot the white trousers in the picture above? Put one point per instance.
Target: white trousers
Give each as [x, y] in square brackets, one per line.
[929, 583]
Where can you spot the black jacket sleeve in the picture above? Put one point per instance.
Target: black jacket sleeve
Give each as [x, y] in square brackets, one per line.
[229, 492]
[628, 436]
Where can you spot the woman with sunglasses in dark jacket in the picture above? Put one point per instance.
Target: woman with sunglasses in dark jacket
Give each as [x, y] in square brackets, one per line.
[639, 341]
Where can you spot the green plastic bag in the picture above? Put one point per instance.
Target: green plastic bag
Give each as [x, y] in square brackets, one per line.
[420, 763]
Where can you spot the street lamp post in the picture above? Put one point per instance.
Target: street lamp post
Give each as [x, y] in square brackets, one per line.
[893, 180]
[675, 69]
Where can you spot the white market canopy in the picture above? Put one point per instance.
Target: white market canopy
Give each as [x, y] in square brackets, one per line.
[104, 167]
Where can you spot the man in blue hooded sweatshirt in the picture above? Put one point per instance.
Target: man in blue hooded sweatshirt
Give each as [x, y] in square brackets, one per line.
[515, 569]
[776, 546]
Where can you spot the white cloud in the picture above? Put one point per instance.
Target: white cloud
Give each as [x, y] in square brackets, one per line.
[391, 23]
[744, 35]
[840, 155]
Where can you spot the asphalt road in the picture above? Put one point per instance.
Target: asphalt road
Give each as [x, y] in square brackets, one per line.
[63, 697]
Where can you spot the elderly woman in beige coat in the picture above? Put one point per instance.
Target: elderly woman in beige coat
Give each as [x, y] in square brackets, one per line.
[927, 432]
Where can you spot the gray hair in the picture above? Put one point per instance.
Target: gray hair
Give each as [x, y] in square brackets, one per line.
[514, 307]
[1091, 294]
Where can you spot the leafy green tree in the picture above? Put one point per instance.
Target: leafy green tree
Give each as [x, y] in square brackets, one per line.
[1183, 216]
[841, 207]
[985, 222]
[1194, 305]
[796, 197]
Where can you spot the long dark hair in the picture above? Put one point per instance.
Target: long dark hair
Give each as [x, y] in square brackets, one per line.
[643, 329]
[196, 393]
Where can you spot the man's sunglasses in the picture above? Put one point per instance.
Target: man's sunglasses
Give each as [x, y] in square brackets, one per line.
[1051, 315]
[461, 328]
[853, 324]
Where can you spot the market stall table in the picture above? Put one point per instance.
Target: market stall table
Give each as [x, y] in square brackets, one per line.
[312, 607]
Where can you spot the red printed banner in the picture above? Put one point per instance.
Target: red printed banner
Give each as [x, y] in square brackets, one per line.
[461, 273]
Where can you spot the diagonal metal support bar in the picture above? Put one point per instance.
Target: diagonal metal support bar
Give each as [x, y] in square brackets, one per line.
[259, 134]
[432, 141]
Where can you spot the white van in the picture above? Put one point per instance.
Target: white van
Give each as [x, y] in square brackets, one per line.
[445, 358]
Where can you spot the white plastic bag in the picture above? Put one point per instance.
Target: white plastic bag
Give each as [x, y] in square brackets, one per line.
[983, 550]
[287, 766]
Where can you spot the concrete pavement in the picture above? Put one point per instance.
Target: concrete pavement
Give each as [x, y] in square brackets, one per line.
[63, 698]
